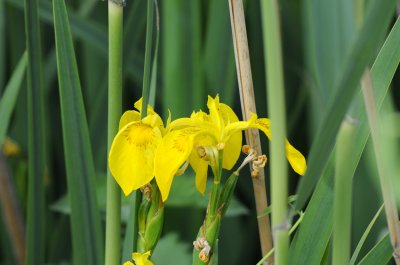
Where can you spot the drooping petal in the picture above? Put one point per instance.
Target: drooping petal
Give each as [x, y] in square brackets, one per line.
[141, 259]
[131, 158]
[128, 263]
[199, 165]
[127, 117]
[172, 152]
[296, 160]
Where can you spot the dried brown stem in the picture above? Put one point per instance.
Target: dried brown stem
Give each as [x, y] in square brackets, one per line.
[246, 91]
[12, 215]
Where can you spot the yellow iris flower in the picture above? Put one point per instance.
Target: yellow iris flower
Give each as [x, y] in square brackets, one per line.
[140, 259]
[220, 128]
[131, 158]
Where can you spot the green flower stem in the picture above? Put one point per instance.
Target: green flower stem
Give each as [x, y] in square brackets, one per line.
[145, 101]
[276, 110]
[342, 196]
[113, 216]
[215, 190]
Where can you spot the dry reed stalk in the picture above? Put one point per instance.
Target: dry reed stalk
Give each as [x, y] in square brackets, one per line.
[246, 92]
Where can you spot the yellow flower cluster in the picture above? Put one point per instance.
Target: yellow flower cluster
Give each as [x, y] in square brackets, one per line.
[145, 148]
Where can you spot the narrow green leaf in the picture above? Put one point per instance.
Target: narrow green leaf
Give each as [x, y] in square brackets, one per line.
[85, 220]
[364, 236]
[316, 228]
[382, 74]
[82, 28]
[361, 53]
[181, 74]
[35, 235]
[7, 101]
[219, 61]
[2, 46]
[380, 254]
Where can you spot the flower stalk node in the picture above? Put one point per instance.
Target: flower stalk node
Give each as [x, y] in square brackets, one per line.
[283, 226]
[204, 247]
[147, 191]
[257, 164]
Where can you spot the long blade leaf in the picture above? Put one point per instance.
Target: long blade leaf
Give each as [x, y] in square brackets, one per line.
[7, 101]
[36, 145]
[382, 73]
[360, 55]
[85, 220]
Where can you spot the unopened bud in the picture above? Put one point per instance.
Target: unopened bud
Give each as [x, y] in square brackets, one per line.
[147, 191]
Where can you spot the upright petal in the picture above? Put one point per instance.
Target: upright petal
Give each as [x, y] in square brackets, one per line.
[131, 158]
[215, 115]
[172, 152]
[127, 117]
[233, 144]
[138, 106]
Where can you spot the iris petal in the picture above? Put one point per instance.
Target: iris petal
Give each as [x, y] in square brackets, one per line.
[172, 152]
[131, 158]
[199, 165]
[296, 160]
[127, 117]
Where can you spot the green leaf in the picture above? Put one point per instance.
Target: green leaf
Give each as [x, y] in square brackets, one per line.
[86, 230]
[364, 236]
[382, 73]
[315, 230]
[171, 249]
[380, 254]
[35, 236]
[184, 194]
[182, 75]
[7, 101]
[347, 83]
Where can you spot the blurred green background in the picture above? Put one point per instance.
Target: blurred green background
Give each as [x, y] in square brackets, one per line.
[195, 59]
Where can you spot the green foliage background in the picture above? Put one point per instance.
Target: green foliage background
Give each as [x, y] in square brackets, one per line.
[195, 59]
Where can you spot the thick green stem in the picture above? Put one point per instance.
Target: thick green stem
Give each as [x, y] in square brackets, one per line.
[215, 190]
[276, 110]
[113, 217]
[145, 100]
[343, 191]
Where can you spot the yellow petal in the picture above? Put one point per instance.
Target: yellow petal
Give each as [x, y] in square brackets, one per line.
[233, 144]
[138, 106]
[172, 152]
[200, 166]
[142, 259]
[232, 150]
[131, 158]
[238, 126]
[128, 263]
[127, 117]
[227, 114]
[215, 115]
[295, 158]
